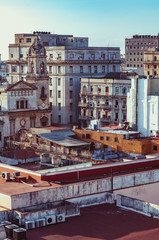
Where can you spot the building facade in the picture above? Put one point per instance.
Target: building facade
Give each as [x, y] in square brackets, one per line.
[25, 104]
[143, 102]
[68, 59]
[151, 63]
[104, 99]
[135, 48]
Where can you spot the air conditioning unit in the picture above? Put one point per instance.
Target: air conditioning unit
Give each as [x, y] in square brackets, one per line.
[50, 219]
[19, 233]
[30, 224]
[16, 174]
[60, 218]
[6, 175]
[40, 222]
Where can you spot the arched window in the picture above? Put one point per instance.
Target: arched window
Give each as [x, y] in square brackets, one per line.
[43, 91]
[84, 88]
[155, 58]
[42, 68]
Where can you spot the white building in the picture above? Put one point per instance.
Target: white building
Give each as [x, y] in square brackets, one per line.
[68, 59]
[143, 102]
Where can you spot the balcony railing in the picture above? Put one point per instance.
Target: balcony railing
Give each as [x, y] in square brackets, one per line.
[82, 104]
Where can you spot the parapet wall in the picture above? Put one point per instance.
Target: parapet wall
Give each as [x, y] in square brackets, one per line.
[81, 189]
[140, 206]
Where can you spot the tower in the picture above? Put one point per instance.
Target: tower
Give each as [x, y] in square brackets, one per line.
[38, 76]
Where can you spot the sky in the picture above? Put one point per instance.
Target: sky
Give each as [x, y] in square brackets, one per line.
[105, 22]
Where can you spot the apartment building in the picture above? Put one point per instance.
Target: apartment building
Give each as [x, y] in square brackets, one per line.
[135, 48]
[68, 59]
[104, 99]
[151, 62]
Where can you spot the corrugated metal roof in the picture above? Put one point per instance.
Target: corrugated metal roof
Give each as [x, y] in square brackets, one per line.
[63, 138]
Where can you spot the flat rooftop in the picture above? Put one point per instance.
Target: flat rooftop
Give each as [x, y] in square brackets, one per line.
[63, 138]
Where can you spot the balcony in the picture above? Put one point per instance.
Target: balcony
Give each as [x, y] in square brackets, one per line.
[83, 105]
[105, 106]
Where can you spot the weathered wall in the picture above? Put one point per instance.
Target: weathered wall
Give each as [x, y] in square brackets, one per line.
[143, 207]
[83, 189]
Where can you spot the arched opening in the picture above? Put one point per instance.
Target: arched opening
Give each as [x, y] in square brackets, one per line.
[42, 68]
[43, 95]
[44, 121]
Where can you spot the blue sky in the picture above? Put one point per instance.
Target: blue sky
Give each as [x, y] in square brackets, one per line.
[106, 23]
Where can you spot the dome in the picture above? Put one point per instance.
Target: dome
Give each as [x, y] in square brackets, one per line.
[37, 48]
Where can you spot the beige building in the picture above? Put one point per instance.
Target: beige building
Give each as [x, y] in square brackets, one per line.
[135, 48]
[68, 59]
[25, 104]
[104, 99]
[151, 63]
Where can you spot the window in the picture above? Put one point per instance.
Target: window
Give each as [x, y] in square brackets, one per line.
[91, 88]
[50, 69]
[59, 94]
[42, 69]
[101, 138]
[71, 94]
[50, 93]
[116, 90]
[59, 118]
[59, 81]
[51, 55]
[95, 69]
[11, 55]
[70, 118]
[71, 106]
[83, 135]
[71, 69]
[107, 89]
[59, 106]
[21, 55]
[71, 81]
[114, 68]
[28, 40]
[59, 69]
[0, 136]
[22, 68]
[88, 136]
[81, 69]
[22, 104]
[14, 68]
[103, 69]
[155, 148]
[115, 139]
[107, 138]
[124, 90]
[89, 69]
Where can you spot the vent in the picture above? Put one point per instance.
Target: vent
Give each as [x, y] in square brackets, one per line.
[6, 175]
[29, 224]
[60, 218]
[16, 174]
[40, 222]
[50, 219]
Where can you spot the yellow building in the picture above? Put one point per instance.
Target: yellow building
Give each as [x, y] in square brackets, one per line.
[120, 140]
[151, 63]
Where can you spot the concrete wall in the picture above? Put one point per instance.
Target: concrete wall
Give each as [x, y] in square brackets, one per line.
[94, 199]
[140, 206]
[69, 210]
[82, 189]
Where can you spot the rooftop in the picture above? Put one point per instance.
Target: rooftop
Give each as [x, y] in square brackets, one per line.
[63, 138]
